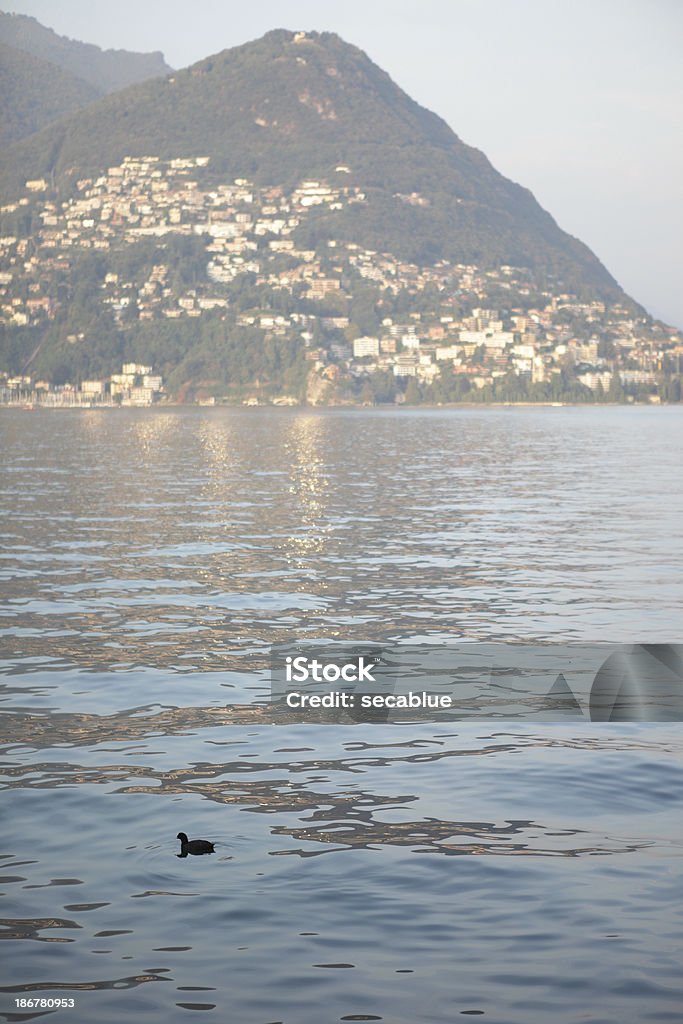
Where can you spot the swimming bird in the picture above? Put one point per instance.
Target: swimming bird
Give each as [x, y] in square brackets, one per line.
[194, 846]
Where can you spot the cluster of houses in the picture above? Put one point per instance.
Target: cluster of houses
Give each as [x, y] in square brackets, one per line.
[483, 347]
[244, 229]
[136, 385]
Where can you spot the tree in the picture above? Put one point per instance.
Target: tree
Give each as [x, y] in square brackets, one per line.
[671, 390]
[615, 391]
[367, 393]
[413, 396]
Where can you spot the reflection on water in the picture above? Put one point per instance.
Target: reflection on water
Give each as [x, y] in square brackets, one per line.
[309, 485]
[148, 561]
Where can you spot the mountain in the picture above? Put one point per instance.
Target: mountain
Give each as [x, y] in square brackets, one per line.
[296, 105]
[35, 93]
[105, 70]
[281, 222]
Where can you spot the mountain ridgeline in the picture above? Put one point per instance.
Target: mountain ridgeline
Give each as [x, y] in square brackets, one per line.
[44, 76]
[293, 106]
[36, 92]
[104, 70]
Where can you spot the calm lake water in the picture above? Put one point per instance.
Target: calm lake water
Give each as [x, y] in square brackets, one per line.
[404, 873]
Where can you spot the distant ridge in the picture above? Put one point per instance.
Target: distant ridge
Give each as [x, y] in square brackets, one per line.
[106, 70]
[36, 92]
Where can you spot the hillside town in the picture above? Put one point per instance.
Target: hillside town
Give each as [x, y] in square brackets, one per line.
[455, 322]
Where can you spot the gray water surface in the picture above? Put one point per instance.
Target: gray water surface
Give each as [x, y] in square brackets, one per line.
[404, 873]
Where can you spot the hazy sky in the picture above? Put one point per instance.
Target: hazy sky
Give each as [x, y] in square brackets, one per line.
[579, 100]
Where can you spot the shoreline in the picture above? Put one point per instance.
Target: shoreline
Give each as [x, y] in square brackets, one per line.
[351, 407]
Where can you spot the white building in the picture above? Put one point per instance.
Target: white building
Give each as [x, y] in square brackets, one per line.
[365, 346]
[596, 380]
[405, 366]
[637, 377]
[92, 387]
[135, 369]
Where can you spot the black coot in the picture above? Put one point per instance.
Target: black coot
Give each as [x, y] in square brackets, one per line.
[194, 846]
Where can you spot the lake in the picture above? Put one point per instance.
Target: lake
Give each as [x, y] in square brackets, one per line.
[408, 873]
